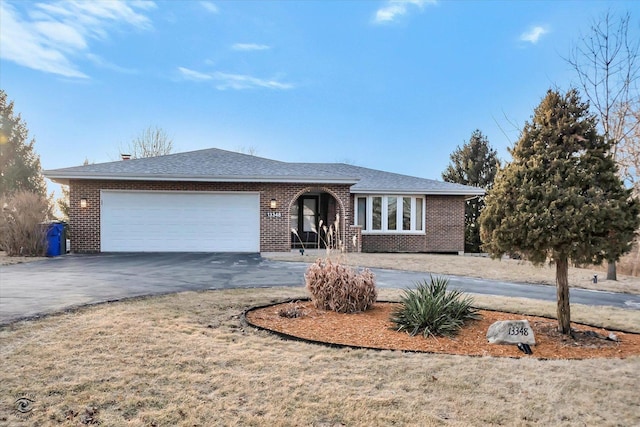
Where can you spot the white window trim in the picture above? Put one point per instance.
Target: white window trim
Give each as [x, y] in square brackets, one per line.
[385, 213]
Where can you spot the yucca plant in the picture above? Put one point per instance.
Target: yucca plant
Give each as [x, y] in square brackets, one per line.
[431, 310]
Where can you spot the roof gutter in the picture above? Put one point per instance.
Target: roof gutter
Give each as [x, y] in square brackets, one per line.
[469, 194]
[64, 178]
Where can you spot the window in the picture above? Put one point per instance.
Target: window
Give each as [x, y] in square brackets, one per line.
[390, 214]
[309, 215]
[294, 216]
[376, 216]
[362, 212]
[406, 213]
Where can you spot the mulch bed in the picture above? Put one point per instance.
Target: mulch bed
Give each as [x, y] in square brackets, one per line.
[372, 329]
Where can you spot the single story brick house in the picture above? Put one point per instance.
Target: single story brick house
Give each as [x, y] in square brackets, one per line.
[220, 201]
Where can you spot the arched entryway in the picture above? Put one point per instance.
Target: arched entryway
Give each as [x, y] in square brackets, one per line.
[311, 214]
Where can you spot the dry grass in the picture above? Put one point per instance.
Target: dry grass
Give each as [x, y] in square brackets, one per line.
[187, 360]
[9, 260]
[473, 266]
[628, 265]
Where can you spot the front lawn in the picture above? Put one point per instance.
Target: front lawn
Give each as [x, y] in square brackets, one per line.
[187, 360]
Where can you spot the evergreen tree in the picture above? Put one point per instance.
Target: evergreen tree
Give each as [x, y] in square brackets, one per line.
[475, 164]
[560, 198]
[63, 203]
[19, 164]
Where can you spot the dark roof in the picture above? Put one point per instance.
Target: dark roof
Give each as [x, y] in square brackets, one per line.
[215, 165]
[376, 181]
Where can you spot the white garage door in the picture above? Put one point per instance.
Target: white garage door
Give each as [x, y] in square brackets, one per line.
[157, 221]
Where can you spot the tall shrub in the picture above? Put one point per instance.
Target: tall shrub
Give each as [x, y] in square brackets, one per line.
[22, 231]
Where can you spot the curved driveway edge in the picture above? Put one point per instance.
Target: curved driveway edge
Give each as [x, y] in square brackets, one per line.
[56, 284]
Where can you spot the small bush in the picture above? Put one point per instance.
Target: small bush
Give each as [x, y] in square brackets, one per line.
[292, 311]
[432, 310]
[21, 228]
[340, 288]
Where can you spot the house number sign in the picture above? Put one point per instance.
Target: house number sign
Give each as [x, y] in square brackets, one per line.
[274, 214]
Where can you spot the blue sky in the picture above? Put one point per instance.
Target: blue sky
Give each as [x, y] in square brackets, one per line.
[390, 85]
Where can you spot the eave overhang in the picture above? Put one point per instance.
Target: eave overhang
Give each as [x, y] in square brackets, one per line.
[468, 193]
[65, 177]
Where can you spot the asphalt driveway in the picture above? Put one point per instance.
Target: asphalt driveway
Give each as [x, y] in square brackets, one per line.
[55, 284]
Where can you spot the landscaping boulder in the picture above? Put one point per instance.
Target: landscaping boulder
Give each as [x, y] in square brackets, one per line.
[511, 332]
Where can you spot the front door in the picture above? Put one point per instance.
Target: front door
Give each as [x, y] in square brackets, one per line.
[304, 219]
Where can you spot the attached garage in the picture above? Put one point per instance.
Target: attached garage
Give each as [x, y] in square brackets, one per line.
[170, 221]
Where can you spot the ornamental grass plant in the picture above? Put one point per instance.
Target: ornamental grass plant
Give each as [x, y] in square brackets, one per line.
[340, 288]
[431, 310]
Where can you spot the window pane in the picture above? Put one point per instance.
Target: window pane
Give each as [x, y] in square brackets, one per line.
[294, 216]
[362, 212]
[419, 226]
[392, 212]
[309, 215]
[406, 213]
[376, 217]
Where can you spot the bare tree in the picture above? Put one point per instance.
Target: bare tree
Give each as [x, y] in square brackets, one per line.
[251, 150]
[628, 155]
[607, 62]
[629, 164]
[151, 142]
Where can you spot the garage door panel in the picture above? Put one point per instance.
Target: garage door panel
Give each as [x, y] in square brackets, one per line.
[179, 222]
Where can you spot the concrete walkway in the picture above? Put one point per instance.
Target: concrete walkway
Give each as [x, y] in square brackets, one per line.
[55, 284]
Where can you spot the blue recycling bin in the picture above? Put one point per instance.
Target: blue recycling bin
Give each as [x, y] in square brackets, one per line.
[55, 237]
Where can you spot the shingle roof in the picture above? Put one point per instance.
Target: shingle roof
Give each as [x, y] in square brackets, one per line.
[376, 181]
[217, 165]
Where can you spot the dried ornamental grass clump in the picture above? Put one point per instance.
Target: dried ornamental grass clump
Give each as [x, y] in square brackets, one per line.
[293, 310]
[340, 288]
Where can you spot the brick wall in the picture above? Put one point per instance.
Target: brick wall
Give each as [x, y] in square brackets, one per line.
[444, 230]
[275, 235]
[445, 224]
[394, 243]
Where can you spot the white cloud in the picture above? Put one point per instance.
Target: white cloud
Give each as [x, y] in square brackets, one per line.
[193, 75]
[239, 81]
[209, 7]
[49, 36]
[394, 9]
[250, 46]
[534, 34]
[224, 81]
[102, 63]
[23, 44]
[64, 36]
